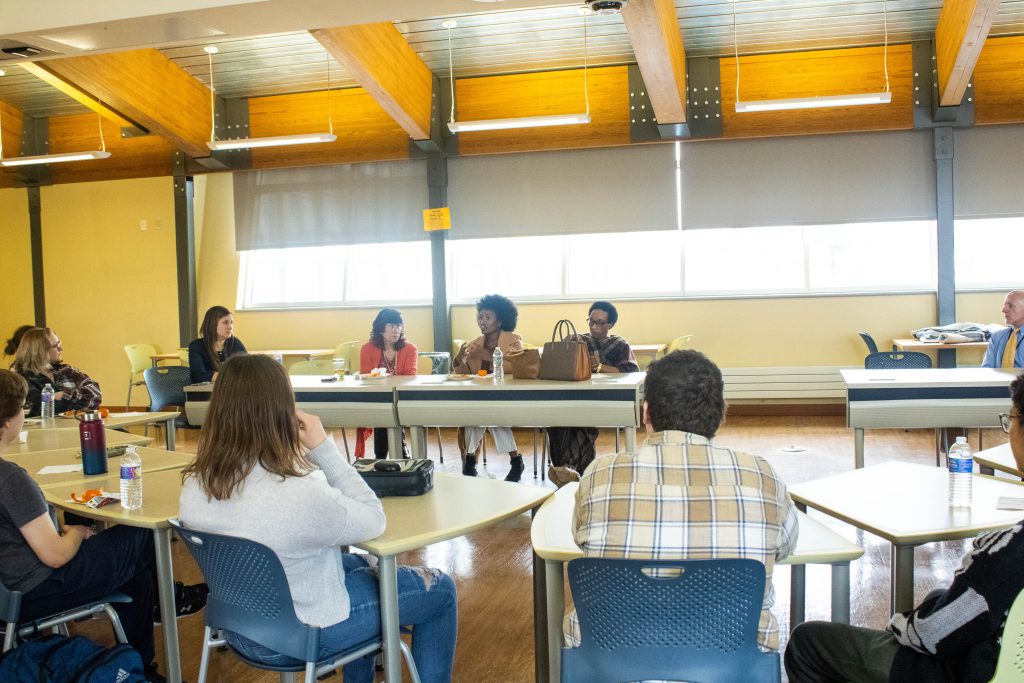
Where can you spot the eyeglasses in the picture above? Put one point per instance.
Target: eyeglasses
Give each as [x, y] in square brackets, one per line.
[1005, 420]
[597, 323]
[56, 345]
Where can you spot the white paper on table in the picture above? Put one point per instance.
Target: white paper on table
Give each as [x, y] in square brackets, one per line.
[59, 469]
[23, 437]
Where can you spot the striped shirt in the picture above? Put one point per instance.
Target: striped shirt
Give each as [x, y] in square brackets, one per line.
[681, 497]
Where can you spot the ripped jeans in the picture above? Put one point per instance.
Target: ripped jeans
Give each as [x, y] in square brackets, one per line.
[426, 601]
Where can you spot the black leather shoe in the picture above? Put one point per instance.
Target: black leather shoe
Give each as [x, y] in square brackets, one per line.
[516, 471]
[469, 466]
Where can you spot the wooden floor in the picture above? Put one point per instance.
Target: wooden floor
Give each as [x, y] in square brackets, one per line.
[492, 567]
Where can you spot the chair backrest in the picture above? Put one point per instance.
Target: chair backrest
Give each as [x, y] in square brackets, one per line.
[457, 345]
[249, 592]
[434, 363]
[897, 360]
[1010, 665]
[139, 356]
[166, 385]
[349, 351]
[685, 620]
[675, 345]
[869, 340]
[317, 366]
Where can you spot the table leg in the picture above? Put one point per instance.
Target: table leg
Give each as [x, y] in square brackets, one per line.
[387, 572]
[165, 596]
[554, 582]
[394, 443]
[902, 576]
[541, 620]
[631, 439]
[418, 442]
[797, 595]
[986, 470]
[169, 434]
[841, 593]
[858, 447]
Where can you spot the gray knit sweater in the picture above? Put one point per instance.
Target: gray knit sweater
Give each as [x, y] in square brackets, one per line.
[302, 519]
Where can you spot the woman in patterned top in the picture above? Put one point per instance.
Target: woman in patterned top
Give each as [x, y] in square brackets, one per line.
[387, 349]
[39, 360]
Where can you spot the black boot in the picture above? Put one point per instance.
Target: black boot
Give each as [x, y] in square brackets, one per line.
[469, 466]
[517, 469]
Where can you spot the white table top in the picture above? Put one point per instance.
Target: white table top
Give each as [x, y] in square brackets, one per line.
[999, 458]
[931, 377]
[551, 534]
[160, 494]
[907, 504]
[52, 439]
[456, 506]
[113, 421]
[630, 380]
[153, 460]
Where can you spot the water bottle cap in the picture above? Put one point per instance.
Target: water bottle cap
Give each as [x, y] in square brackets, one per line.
[91, 416]
[961, 439]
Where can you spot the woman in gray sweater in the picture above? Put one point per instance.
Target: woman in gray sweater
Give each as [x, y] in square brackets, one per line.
[266, 471]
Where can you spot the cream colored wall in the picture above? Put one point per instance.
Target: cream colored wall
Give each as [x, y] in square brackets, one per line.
[109, 283]
[217, 267]
[743, 332]
[16, 302]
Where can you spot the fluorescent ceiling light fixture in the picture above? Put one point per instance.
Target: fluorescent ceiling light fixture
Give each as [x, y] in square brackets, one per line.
[815, 102]
[521, 122]
[54, 158]
[276, 141]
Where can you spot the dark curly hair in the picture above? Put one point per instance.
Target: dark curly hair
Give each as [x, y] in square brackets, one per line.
[503, 308]
[684, 392]
[1017, 397]
[613, 313]
[386, 315]
[12, 344]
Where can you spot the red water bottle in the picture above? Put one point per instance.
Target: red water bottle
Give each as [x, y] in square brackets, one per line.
[94, 443]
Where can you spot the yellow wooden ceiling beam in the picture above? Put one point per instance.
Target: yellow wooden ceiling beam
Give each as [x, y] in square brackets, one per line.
[11, 124]
[387, 67]
[147, 87]
[959, 37]
[658, 46]
[41, 71]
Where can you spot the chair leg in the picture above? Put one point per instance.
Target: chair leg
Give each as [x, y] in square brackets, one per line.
[289, 677]
[115, 623]
[204, 660]
[544, 450]
[534, 452]
[440, 449]
[407, 654]
[128, 401]
[483, 446]
[617, 440]
[344, 440]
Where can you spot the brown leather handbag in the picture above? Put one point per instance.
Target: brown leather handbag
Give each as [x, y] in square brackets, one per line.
[565, 359]
[524, 364]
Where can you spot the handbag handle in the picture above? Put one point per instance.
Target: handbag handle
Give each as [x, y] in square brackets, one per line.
[562, 335]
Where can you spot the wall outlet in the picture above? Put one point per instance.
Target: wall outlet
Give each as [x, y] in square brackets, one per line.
[143, 224]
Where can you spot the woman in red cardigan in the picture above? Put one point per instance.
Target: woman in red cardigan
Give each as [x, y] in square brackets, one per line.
[389, 350]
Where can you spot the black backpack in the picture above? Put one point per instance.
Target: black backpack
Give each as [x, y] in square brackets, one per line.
[56, 659]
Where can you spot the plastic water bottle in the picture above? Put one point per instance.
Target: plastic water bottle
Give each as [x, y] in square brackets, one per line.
[131, 479]
[46, 399]
[498, 363]
[961, 464]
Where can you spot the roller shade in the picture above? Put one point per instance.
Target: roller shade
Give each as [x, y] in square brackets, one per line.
[812, 180]
[987, 171]
[320, 205]
[554, 193]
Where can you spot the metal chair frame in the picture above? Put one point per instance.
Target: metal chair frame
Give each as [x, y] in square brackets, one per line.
[14, 628]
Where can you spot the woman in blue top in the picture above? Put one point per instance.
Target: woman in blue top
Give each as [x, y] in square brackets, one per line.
[215, 345]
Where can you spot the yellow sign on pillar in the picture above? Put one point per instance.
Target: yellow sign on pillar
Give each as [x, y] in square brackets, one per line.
[437, 219]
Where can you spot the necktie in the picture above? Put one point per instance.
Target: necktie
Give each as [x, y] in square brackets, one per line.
[1010, 352]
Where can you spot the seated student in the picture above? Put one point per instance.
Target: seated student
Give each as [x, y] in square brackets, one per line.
[573, 448]
[1005, 348]
[60, 570]
[953, 635]
[11, 347]
[387, 349]
[681, 496]
[496, 316]
[39, 360]
[215, 345]
[266, 471]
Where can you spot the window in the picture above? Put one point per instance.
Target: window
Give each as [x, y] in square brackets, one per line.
[513, 266]
[336, 275]
[871, 256]
[744, 260]
[625, 263]
[988, 252]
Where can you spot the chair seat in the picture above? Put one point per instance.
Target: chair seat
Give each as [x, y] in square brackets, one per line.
[294, 665]
[112, 599]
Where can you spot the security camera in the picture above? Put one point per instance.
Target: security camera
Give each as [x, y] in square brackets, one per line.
[606, 6]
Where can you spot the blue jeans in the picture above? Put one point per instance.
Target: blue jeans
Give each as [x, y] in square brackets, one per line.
[426, 601]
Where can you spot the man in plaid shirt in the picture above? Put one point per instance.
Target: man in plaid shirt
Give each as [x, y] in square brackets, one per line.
[682, 497]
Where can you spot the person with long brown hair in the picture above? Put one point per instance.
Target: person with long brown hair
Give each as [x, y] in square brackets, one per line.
[390, 350]
[39, 359]
[217, 342]
[58, 570]
[266, 471]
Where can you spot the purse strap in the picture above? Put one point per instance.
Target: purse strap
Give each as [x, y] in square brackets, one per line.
[562, 330]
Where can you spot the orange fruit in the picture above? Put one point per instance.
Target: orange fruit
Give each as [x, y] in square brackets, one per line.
[482, 373]
[104, 413]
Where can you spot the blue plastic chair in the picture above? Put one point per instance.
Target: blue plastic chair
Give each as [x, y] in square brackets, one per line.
[249, 596]
[897, 360]
[687, 620]
[14, 627]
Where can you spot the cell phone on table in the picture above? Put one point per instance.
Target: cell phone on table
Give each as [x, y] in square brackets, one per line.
[333, 378]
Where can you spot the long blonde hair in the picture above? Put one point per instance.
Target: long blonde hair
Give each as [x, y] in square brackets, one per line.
[250, 421]
[33, 354]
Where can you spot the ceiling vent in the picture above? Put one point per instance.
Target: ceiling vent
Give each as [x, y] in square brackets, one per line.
[606, 6]
[17, 51]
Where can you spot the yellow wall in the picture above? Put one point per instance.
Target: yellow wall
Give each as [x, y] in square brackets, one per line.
[16, 303]
[109, 283]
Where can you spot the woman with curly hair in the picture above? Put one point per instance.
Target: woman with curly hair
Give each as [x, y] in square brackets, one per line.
[387, 349]
[496, 316]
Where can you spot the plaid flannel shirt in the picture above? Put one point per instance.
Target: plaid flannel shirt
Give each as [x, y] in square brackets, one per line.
[681, 497]
[612, 350]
